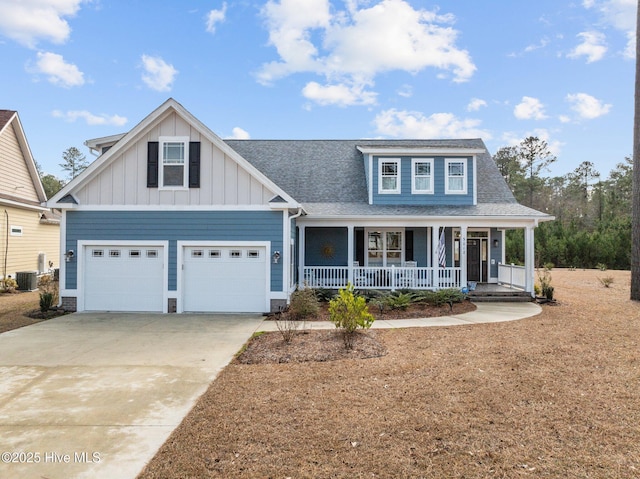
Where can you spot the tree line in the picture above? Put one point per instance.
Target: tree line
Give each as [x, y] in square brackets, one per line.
[592, 226]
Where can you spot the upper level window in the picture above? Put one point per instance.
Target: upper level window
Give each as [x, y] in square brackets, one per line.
[456, 176]
[389, 175]
[174, 161]
[422, 176]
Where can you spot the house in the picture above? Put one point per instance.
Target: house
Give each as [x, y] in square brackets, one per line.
[29, 231]
[171, 218]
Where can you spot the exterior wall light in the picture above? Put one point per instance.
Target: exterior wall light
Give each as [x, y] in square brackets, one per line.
[276, 257]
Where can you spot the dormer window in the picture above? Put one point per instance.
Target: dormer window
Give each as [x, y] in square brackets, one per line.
[174, 160]
[389, 175]
[422, 176]
[456, 176]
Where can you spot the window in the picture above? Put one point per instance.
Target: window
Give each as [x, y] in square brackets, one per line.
[384, 248]
[114, 253]
[252, 253]
[97, 253]
[456, 176]
[422, 176]
[388, 175]
[236, 253]
[16, 231]
[197, 253]
[152, 253]
[174, 161]
[134, 253]
[214, 253]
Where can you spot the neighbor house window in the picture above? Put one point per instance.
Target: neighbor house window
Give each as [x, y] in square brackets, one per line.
[388, 175]
[174, 162]
[16, 230]
[422, 176]
[456, 176]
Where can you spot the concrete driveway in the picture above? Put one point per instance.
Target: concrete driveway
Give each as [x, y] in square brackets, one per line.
[95, 395]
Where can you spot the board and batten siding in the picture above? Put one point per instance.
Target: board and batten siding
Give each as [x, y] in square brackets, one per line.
[15, 178]
[223, 181]
[405, 197]
[22, 251]
[174, 226]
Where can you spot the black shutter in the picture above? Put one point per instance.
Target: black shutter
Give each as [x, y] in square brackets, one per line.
[194, 164]
[408, 245]
[359, 239]
[153, 148]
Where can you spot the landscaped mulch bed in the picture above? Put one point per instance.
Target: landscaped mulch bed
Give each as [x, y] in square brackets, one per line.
[552, 396]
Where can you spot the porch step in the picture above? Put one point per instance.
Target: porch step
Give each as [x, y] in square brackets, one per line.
[500, 296]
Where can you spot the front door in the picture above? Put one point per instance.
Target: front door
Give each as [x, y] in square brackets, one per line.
[473, 259]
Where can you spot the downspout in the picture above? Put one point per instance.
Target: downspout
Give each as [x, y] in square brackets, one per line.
[293, 217]
[6, 247]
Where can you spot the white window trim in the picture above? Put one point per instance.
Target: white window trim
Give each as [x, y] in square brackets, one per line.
[465, 177]
[414, 190]
[185, 178]
[385, 250]
[398, 187]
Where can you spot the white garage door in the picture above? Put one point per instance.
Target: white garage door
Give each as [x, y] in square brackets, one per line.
[229, 279]
[123, 278]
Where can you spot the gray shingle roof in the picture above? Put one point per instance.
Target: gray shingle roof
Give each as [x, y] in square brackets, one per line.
[327, 176]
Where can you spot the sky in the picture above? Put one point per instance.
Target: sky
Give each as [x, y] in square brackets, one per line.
[500, 70]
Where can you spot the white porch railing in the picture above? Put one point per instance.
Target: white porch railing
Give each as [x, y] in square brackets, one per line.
[512, 275]
[382, 278]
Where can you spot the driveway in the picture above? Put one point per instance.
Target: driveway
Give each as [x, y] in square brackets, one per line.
[95, 395]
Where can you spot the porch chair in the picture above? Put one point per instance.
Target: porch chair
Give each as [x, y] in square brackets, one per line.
[407, 276]
[359, 277]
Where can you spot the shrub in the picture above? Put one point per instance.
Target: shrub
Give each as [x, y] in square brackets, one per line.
[399, 300]
[9, 285]
[349, 312]
[303, 304]
[601, 266]
[546, 289]
[449, 296]
[46, 284]
[549, 266]
[288, 325]
[46, 301]
[325, 295]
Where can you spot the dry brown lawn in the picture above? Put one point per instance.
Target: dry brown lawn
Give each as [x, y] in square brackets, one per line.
[553, 396]
[14, 307]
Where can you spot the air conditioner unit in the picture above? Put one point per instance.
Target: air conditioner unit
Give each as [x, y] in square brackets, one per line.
[27, 280]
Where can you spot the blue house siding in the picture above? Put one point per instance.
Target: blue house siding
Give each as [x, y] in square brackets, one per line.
[405, 197]
[174, 226]
[326, 246]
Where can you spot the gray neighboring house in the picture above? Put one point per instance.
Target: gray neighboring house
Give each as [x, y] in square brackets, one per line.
[171, 218]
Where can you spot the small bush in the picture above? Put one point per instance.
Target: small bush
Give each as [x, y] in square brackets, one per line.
[325, 295]
[9, 285]
[46, 284]
[288, 326]
[46, 302]
[449, 296]
[349, 312]
[546, 289]
[601, 266]
[303, 304]
[399, 300]
[549, 266]
[607, 281]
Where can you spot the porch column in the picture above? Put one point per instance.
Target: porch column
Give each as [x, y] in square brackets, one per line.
[463, 256]
[435, 239]
[529, 259]
[350, 260]
[301, 235]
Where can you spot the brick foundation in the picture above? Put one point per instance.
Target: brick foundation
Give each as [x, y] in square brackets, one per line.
[69, 303]
[172, 305]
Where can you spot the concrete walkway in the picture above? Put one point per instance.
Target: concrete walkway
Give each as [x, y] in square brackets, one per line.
[95, 395]
[485, 313]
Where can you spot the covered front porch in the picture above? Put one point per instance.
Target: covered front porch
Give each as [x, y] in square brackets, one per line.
[428, 257]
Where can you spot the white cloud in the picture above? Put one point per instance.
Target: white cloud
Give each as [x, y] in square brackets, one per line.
[586, 106]
[239, 134]
[216, 16]
[28, 21]
[341, 94]
[58, 71]
[412, 124]
[312, 36]
[405, 91]
[159, 75]
[475, 104]
[621, 15]
[529, 109]
[90, 118]
[592, 47]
